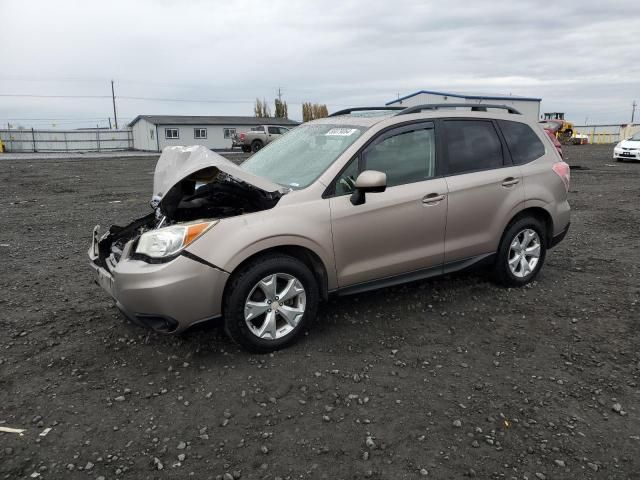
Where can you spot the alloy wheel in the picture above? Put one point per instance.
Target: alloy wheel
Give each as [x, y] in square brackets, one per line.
[275, 306]
[524, 253]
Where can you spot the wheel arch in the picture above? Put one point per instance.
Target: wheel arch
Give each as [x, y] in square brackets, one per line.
[537, 212]
[304, 254]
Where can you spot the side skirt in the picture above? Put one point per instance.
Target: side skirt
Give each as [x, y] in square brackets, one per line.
[476, 261]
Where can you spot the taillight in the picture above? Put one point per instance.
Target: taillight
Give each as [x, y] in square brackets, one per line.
[564, 172]
[242, 136]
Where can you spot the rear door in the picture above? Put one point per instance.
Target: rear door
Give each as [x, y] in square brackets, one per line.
[485, 188]
[397, 231]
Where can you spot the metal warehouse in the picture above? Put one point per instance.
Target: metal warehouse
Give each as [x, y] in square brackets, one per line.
[528, 106]
[154, 132]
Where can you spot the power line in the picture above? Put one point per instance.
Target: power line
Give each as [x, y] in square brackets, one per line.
[125, 97]
[58, 118]
[31, 95]
[186, 100]
[152, 99]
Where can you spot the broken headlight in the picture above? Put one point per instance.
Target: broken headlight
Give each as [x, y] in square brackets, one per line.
[168, 241]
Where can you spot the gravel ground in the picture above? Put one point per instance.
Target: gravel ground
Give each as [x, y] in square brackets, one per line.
[447, 378]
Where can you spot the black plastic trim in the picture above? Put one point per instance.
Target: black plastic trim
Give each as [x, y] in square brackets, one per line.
[477, 260]
[558, 238]
[421, 274]
[201, 260]
[347, 111]
[158, 323]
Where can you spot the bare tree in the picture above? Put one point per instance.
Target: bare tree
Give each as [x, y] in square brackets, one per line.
[281, 110]
[261, 109]
[311, 111]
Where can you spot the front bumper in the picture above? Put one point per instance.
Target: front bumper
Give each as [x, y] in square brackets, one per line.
[166, 297]
[620, 154]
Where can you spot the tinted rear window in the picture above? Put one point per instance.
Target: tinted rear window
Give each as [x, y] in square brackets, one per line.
[472, 145]
[523, 143]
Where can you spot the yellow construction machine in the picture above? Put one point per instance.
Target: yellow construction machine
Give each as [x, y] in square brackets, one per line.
[561, 128]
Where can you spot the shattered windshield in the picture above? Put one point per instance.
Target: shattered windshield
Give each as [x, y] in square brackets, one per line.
[300, 156]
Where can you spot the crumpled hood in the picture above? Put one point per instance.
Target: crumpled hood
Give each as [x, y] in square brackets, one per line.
[177, 163]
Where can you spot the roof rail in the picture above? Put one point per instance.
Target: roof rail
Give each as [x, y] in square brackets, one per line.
[477, 107]
[347, 111]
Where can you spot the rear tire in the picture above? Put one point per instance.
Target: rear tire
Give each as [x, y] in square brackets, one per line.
[521, 253]
[256, 145]
[259, 285]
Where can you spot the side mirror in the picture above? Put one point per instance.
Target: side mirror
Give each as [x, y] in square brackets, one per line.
[368, 181]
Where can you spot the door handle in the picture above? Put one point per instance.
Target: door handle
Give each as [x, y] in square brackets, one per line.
[432, 199]
[510, 182]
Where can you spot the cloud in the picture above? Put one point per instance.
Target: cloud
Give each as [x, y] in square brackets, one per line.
[580, 57]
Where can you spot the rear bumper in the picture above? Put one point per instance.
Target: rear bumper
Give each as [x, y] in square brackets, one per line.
[559, 237]
[166, 297]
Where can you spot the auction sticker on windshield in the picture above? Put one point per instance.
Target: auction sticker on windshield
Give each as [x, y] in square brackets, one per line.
[341, 132]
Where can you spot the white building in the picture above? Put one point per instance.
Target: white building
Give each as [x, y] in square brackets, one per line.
[154, 132]
[527, 106]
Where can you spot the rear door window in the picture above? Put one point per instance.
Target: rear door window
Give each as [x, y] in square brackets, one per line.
[524, 145]
[472, 145]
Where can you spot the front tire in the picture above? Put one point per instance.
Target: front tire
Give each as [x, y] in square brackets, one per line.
[521, 253]
[270, 302]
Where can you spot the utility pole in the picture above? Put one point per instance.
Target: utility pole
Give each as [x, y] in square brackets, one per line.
[113, 98]
[633, 110]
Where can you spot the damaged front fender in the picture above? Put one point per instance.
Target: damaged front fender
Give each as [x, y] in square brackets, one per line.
[191, 183]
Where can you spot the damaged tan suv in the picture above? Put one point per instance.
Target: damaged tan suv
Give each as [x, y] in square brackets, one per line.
[364, 199]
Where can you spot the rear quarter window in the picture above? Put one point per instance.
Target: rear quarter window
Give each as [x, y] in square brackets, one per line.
[523, 143]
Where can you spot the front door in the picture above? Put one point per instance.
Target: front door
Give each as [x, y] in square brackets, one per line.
[273, 133]
[397, 231]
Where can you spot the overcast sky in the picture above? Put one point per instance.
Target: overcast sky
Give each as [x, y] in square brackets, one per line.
[581, 57]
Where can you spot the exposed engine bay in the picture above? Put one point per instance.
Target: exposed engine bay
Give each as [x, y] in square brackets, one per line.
[208, 194]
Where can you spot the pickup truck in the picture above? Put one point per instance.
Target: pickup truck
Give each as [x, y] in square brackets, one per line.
[258, 137]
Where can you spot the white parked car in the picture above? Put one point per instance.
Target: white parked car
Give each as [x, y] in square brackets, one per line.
[628, 149]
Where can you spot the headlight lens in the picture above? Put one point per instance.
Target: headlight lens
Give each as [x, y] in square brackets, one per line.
[168, 241]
